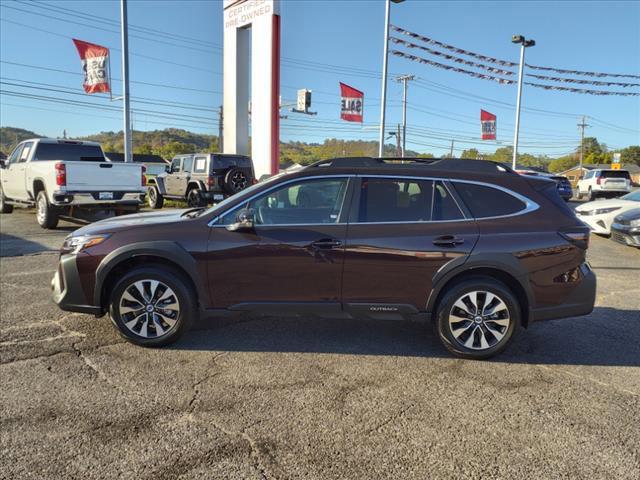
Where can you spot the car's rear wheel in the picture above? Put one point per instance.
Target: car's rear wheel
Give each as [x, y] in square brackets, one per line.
[46, 214]
[152, 306]
[195, 198]
[590, 195]
[154, 197]
[4, 206]
[477, 318]
[235, 180]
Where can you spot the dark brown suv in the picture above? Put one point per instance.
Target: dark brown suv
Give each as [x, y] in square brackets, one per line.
[470, 245]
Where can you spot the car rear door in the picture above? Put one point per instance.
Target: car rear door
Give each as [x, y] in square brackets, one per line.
[292, 258]
[401, 232]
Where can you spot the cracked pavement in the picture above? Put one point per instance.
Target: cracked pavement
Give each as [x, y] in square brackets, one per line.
[303, 398]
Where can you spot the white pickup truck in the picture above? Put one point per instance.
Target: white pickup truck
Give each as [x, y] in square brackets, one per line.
[59, 177]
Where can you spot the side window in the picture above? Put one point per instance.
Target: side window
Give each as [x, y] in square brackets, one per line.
[395, 200]
[16, 154]
[306, 202]
[484, 201]
[26, 150]
[187, 163]
[200, 165]
[444, 206]
[175, 164]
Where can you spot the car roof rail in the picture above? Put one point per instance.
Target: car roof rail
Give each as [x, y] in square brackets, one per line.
[468, 165]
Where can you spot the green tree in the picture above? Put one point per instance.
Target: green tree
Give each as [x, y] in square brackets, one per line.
[144, 149]
[471, 153]
[172, 149]
[502, 154]
[630, 154]
[563, 163]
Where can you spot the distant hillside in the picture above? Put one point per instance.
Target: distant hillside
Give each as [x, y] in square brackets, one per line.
[11, 136]
[153, 140]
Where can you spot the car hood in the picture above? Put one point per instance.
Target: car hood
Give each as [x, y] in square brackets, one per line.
[598, 204]
[125, 222]
[629, 215]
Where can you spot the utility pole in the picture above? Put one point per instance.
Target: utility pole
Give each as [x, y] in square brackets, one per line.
[399, 148]
[451, 152]
[125, 80]
[220, 137]
[404, 79]
[582, 125]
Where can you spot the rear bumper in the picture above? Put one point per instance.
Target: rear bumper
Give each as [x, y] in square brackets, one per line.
[67, 289]
[92, 199]
[626, 235]
[580, 302]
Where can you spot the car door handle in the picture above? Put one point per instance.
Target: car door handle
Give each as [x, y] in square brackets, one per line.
[448, 241]
[326, 243]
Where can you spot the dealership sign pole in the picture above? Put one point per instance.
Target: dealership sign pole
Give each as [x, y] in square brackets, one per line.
[125, 81]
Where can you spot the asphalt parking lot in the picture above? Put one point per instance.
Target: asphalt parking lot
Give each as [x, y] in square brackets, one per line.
[312, 399]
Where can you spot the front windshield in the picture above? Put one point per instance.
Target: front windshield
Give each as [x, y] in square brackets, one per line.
[219, 208]
[633, 196]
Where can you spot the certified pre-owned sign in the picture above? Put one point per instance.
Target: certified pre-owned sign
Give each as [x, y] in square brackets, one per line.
[242, 12]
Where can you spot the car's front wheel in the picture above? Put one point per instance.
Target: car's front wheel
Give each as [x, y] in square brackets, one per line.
[4, 206]
[477, 318]
[152, 306]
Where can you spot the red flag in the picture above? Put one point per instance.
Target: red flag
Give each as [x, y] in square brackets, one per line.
[488, 123]
[95, 60]
[352, 108]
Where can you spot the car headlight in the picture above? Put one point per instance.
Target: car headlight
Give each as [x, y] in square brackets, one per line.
[602, 211]
[75, 245]
[635, 223]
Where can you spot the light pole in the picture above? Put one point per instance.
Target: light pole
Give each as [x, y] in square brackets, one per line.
[128, 156]
[524, 43]
[385, 61]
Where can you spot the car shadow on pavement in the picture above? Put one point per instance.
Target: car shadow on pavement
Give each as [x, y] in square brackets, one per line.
[12, 246]
[607, 337]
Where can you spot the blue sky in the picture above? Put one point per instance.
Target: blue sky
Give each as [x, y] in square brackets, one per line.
[324, 42]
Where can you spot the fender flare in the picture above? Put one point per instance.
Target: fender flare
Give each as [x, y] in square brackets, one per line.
[199, 184]
[160, 185]
[504, 262]
[31, 190]
[168, 250]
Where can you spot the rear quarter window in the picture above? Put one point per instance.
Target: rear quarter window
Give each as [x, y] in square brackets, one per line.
[485, 201]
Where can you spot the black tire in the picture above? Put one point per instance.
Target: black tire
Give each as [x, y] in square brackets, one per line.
[182, 319]
[590, 195]
[496, 336]
[4, 206]
[195, 199]
[235, 180]
[154, 197]
[46, 214]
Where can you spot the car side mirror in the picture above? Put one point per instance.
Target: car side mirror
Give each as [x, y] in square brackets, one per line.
[2, 164]
[167, 169]
[245, 220]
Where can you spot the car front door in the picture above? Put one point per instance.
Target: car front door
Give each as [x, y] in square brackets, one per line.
[292, 258]
[13, 176]
[401, 232]
[171, 180]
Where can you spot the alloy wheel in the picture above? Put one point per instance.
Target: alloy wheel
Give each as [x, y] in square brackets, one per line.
[479, 320]
[41, 210]
[149, 308]
[239, 181]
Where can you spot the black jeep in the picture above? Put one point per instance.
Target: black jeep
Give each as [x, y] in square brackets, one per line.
[202, 178]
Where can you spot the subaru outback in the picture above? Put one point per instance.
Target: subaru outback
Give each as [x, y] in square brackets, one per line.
[471, 246]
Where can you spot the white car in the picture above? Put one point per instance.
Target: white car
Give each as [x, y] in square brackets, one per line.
[59, 177]
[599, 215]
[604, 183]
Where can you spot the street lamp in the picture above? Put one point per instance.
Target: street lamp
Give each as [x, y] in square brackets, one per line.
[385, 61]
[524, 43]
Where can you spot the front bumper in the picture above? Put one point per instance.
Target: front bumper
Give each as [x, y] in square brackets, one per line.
[596, 223]
[67, 289]
[580, 302]
[626, 234]
[93, 199]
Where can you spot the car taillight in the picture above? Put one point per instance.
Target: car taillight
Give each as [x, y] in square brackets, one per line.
[61, 174]
[144, 178]
[599, 180]
[577, 236]
[211, 181]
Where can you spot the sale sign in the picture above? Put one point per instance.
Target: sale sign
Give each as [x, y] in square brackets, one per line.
[95, 61]
[352, 107]
[488, 123]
